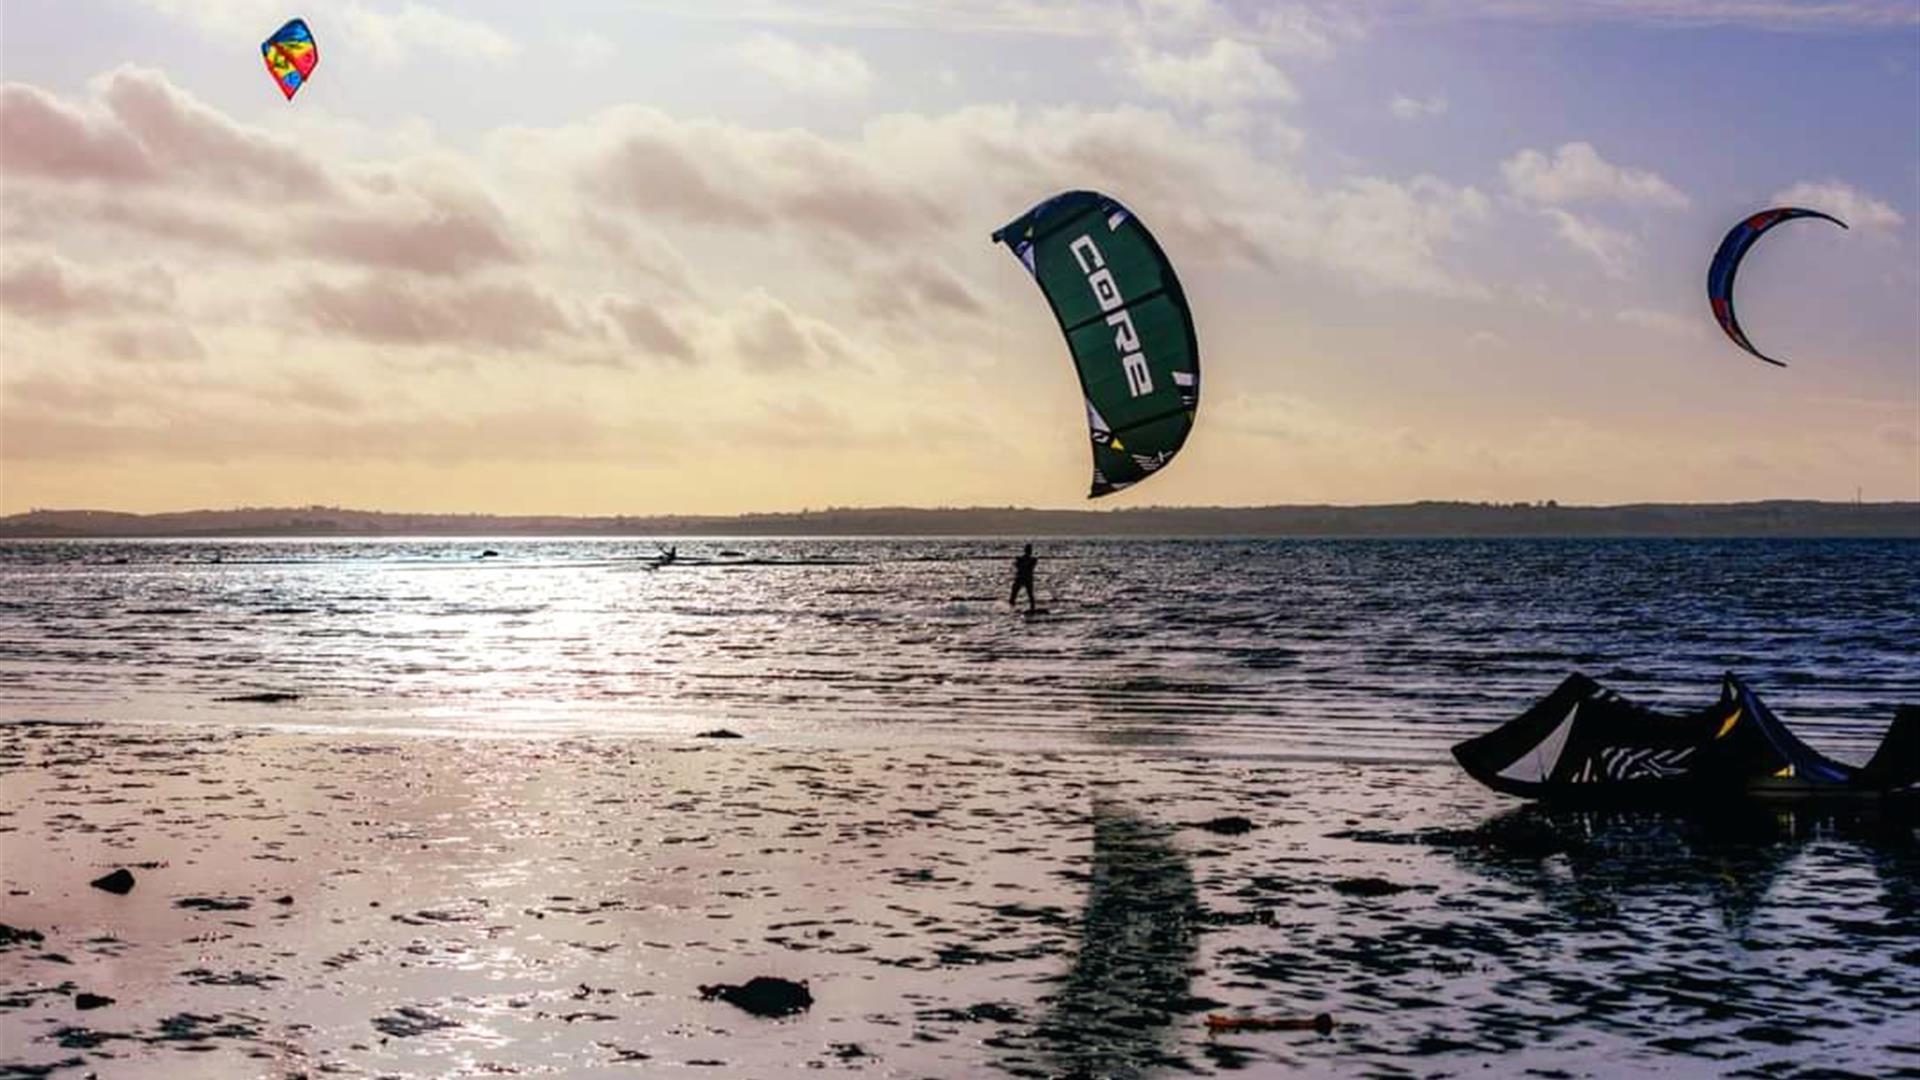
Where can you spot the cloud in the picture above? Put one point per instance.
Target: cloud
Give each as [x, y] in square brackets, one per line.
[39, 289]
[163, 342]
[738, 262]
[918, 302]
[166, 220]
[715, 174]
[1210, 198]
[429, 232]
[1307, 27]
[393, 310]
[732, 262]
[1613, 249]
[250, 427]
[1577, 173]
[1285, 418]
[1299, 24]
[144, 157]
[146, 132]
[1664, 322]
[1407, 108]
[1769, 14]
[1307, 30]
[645, 327]
[1389, 234]
[48, 289]
[1851, 205]
[649, 171]
[386, 32]
[317, 393]
[1180, 16]
[818, 69]
[769, 336]
[771, 339]
[1227, 72]
[59, 215]
[1537, 295]
[191, 142]
[639, 255]
[605, 206]
[913, 179]
[40, 136]
[417, 29]
[588, 49]
[803, 422]
[915, 289]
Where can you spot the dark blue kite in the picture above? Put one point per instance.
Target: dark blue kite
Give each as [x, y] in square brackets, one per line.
[1726, 262]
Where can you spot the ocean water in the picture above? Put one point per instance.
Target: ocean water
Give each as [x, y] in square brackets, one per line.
[994, 844]
[1346, 649]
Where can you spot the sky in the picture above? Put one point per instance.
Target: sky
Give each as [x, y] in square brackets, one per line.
[702, 256]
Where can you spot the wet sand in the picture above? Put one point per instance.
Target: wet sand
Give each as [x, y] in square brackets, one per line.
[382, 905]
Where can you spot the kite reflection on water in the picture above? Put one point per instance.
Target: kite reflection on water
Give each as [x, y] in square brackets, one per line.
[1139, 933]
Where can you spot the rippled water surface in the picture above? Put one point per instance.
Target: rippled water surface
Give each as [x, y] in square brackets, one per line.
[1208, 780]
[1352, 649]
[356, 905]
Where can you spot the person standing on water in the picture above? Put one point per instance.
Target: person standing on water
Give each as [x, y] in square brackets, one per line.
[1023, 577]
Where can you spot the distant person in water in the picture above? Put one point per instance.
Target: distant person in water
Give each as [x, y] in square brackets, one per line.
[1023, 577]
[667, 555]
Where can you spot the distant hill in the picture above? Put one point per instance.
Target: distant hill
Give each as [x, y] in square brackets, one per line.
[1435, 519]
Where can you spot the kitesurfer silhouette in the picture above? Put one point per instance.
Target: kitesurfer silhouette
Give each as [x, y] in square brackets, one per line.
[1023, 578]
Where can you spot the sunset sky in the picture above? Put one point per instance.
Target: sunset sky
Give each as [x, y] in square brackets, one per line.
[706, 256]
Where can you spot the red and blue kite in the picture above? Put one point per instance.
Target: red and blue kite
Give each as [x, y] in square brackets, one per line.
[291, 56]
[1727, 260]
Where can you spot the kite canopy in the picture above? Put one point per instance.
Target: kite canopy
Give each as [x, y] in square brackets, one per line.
[1726, 262]
[1127, 326]
[291, 56]
[1584, 743]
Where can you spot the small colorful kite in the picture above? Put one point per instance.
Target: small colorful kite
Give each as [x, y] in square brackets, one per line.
[291, 56]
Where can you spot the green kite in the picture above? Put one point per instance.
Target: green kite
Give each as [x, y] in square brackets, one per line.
[1127, 325]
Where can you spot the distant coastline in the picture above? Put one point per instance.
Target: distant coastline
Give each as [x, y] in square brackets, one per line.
[1776, 518]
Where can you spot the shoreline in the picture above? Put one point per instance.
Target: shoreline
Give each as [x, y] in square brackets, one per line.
[380, 904]
[902, 738]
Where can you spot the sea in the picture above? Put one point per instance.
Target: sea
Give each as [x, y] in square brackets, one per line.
[1354, 650]
[430, 807]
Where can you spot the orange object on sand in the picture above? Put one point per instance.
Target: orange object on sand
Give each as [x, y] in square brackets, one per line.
[1322, 1023]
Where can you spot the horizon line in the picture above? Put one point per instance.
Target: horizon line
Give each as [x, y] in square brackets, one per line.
[1088, 508]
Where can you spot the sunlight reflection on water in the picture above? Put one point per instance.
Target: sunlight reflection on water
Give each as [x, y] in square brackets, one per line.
[1363, 649]
[955, 912]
